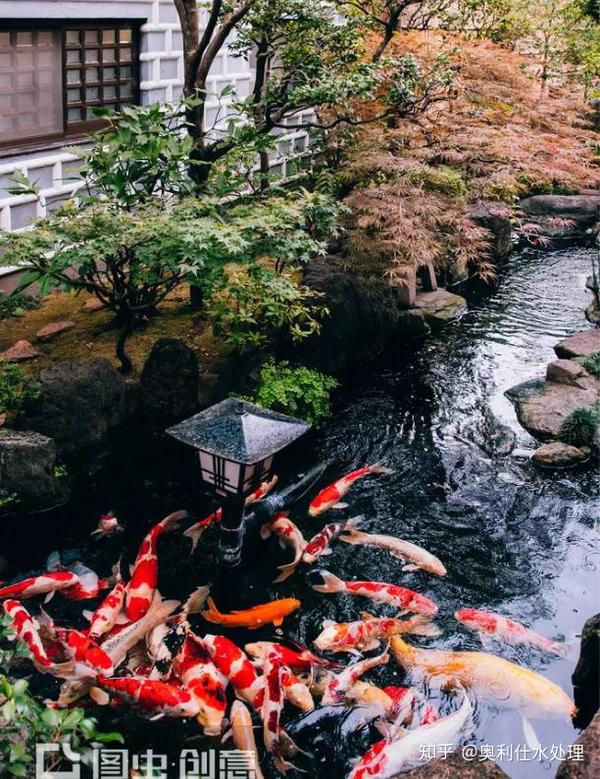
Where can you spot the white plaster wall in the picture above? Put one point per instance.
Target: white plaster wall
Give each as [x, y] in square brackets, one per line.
[161, 79]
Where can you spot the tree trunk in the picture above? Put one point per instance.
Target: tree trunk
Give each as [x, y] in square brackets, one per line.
[124, 333]
[196, 298]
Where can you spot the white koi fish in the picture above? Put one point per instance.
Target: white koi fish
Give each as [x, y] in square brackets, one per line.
[486, 623]
[289, 535]
[397, 547]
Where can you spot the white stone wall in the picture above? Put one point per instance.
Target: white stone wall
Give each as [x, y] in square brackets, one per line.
[161, 79]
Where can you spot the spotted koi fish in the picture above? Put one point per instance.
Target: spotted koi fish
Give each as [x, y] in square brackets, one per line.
[368, 633]
[401, 598]
[237, 668]
[330, 497]
[108, 524]
[144, 576]
[44, 584]
[319, 544]
[289, 535]
[205, 683]
[161, 697]
[26, 630]
[418, 558]
[88, 584]
[274, 738]
[298, 659]
[295, 690]
[80, 648]
[275, 611]
[109, 612]
[504, 629]
[342, 682]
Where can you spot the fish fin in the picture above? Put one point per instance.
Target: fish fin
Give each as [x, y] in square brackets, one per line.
[531, 738]
[170, 521]
[567, 649]
[49, 596]
[265, 531]
[156, 717]
[194, 534]
[381, 469]
[211, 614]
[227, 735]
[286, 571]
[340, 505]
[45, 620]
[325, 552]
[87, 615]
[390, 731]
[351, 536]
[426, 630]
[122, 619]
[95, 533]
[409, 566]
[196, 601]
[131, 569]
[53, 563]
[331, 583]
[99, 696]
[277, 622]
[327, 623]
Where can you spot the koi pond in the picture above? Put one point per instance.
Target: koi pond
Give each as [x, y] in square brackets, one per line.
[515, 540]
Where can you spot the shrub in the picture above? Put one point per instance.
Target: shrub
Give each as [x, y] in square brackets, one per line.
[16, 388]
[299, 391]
[439, 179]
[592, 364]
[16, 304]
[579, 427]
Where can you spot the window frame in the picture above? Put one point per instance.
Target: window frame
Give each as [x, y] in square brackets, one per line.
[81, 131]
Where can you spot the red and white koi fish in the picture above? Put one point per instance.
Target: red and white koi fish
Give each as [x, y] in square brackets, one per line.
[289, 535]
[342, 682]
[243, 734]
[504, 629]
[405, 700]
[109, 612]
[319, 544]
[401, 598]
[272, 706]
[387, 757]
[298, 659]
[205, 683]
[44, 584]
[330, 497]
[161, 697]
[144, 576]
[165, 640]
[294, 689]
[368, 633]
[26, 630]
[88, 585]
[397, 547]
[80, 648]
[237, 668]
[262, 490]
[108, 524]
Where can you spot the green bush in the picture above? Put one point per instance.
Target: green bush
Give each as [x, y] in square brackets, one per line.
[579, 427]
[17, 389]
[16, 304]
[300, 391]
[440, 179]
[592, 364]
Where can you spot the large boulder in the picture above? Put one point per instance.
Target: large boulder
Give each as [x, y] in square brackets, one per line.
[81, 402]
[491, 435]
[588, 766]
[455, 765]
[556, 454]
[582, 209]
[586, 676]
[579, 345]
[169, 383]
[27, 469]
[495, 217]
[439, 307]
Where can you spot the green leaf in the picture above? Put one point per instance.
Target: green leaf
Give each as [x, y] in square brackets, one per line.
[18, 769]
[105, 737]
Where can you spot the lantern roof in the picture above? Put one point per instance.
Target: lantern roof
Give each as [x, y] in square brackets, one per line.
[240, 431]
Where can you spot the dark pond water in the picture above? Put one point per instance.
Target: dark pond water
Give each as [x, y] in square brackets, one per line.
[514, 539]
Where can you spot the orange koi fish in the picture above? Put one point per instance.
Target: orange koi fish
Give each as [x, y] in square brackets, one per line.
[144, 576]
[330, 497]
[275, 612]
[504, 629]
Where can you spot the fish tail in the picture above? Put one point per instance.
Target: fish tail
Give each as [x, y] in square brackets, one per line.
[197, 599]
[161, 609]
[382, 469]
[212, 613]
[171, 520]
[287, 570]
[354, 522]
[331, 583]
[195, 534]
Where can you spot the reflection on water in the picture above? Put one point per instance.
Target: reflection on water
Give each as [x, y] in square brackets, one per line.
[514, 540]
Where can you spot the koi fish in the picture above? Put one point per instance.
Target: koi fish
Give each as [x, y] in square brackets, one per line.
[342, 682]
[368, 633]
[196, 531]
[108, 613]
[387, 758]
[319, 544]
[144, 576]
[165, 640]
[397, 547]
[504, 629]
[330, 497]
[243, 734]
[275, 611]
[108, 524]
[294, 689]
[88, 584]
[401, 598]
[168, 699]
[80, 648]
[273, 735]
[44, 584]
[205, 683]
[300, 659]
[405, 700]
[237, 668]
[289, 535]
[367, 694]
[493, 678]
[26, 630]
[262, 490]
